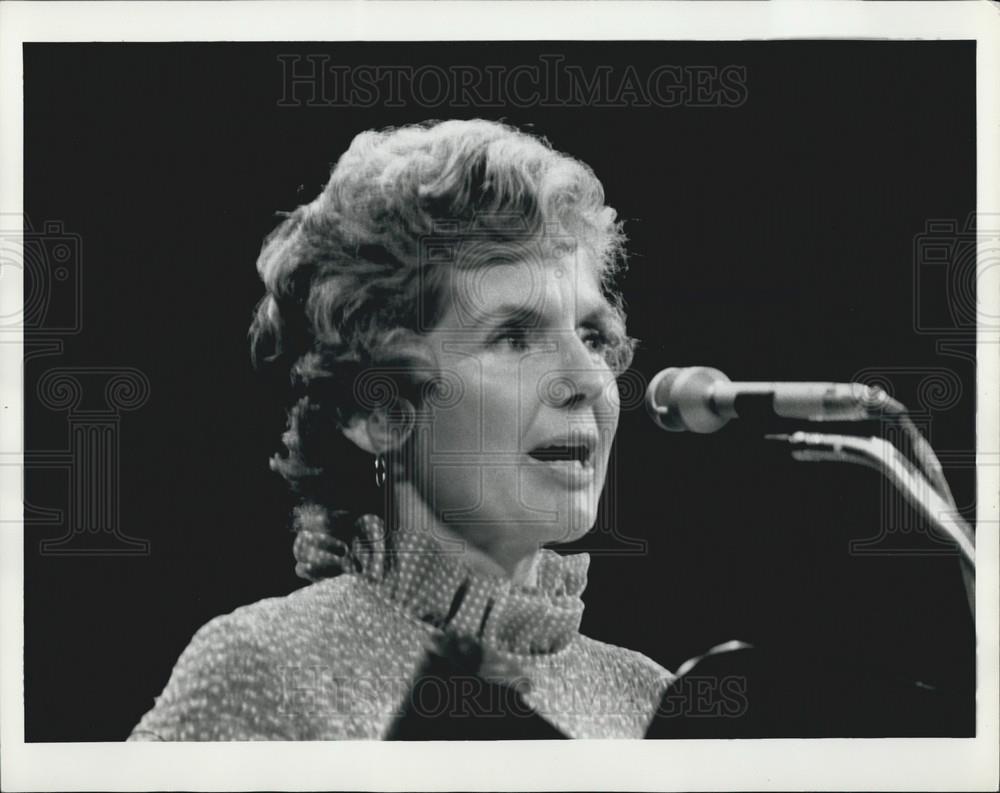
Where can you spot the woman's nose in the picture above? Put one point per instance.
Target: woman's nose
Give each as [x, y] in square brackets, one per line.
[579, 379]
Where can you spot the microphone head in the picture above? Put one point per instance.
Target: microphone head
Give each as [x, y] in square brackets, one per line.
[680, 399]
[657, 393]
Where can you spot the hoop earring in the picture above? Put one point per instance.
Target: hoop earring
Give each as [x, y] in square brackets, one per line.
[380, 472]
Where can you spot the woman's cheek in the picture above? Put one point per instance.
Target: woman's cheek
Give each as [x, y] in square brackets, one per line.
[611, 400]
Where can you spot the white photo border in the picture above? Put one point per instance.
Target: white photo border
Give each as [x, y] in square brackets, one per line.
[772, 764]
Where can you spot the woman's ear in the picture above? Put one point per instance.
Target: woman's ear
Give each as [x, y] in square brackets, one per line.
[381, 431]
[356, 431]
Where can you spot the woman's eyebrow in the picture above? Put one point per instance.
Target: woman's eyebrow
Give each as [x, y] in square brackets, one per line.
[521, 316]
[602, 315]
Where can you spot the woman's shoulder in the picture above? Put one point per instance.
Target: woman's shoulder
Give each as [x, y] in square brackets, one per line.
[593, 689]
[231, 681]
[625, 662]
[268, 625]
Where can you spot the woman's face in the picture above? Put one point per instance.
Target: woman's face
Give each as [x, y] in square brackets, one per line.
[513, 454]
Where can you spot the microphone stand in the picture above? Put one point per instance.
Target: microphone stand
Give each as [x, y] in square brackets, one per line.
[786, 702]
[926, 490]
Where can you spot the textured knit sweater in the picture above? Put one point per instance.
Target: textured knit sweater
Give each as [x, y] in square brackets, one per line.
[336, 659]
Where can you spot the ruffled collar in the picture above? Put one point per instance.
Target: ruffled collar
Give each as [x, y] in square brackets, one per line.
[435, 585]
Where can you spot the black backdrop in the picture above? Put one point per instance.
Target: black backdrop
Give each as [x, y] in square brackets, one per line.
[774, 240]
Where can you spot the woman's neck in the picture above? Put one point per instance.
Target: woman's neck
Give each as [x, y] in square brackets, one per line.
[483, 550]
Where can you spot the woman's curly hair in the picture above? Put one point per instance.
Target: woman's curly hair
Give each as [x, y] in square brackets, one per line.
[353, 277]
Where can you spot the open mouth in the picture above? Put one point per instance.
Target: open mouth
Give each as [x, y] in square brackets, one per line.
[573, 452]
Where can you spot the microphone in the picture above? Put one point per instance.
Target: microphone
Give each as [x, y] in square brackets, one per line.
[702, 399]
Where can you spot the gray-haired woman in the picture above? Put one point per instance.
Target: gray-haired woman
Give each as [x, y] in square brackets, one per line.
[446, 317]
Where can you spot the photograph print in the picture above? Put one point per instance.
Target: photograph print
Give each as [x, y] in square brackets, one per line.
[504, 390]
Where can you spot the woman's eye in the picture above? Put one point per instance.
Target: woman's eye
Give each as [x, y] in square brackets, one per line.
[512, 339]
[597, 340]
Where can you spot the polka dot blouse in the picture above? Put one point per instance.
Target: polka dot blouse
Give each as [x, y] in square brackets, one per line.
[336, 659]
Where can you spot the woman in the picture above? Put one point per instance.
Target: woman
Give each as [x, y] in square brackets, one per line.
[446, 316]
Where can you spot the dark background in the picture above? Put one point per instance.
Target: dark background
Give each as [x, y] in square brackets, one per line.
[774, 240]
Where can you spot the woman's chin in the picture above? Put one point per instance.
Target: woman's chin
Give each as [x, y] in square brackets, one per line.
[571, 531]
